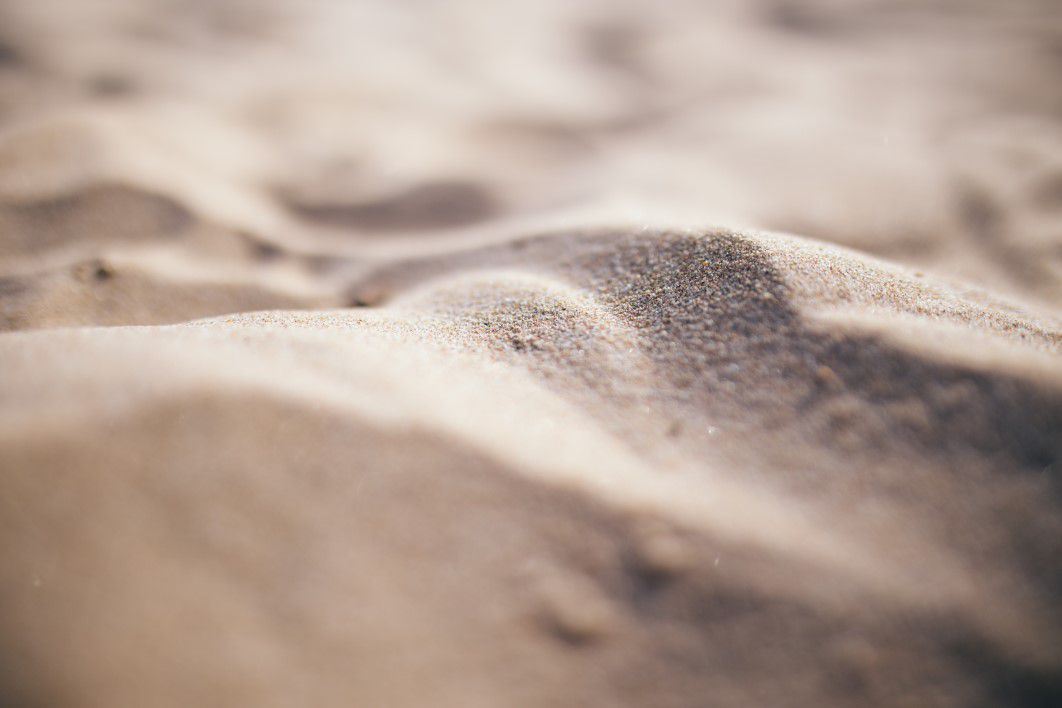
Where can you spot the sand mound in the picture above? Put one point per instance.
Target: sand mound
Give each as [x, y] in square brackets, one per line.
[378, 353]
[572, 467]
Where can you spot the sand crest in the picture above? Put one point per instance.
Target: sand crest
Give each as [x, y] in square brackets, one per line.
[338, 367]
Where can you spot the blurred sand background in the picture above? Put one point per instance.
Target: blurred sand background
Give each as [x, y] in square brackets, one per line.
[456, 353]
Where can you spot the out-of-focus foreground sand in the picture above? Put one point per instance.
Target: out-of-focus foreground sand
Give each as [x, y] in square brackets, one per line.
[449, 353]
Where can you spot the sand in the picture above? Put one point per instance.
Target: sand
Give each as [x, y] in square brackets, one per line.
[532, 354]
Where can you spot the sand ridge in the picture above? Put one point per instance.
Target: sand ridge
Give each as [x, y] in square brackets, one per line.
[364, 354]
[703, 337]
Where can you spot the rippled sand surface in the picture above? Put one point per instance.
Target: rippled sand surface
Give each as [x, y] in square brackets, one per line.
[533, 354]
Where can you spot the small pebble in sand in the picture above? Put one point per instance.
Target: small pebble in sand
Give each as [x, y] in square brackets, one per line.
[573, 607]
[665, 556]
[661, 553]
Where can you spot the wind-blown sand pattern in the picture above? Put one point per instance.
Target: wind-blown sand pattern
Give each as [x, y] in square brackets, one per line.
[390, 354]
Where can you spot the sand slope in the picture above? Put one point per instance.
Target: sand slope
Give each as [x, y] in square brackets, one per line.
[362, 354]
[604, 467]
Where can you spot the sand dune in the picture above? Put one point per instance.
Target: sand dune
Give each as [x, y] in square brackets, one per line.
[341, 367]
[573, 467]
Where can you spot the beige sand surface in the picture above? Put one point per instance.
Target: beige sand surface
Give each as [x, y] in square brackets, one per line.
[455, 353]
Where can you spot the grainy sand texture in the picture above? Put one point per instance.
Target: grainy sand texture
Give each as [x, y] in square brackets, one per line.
[490, 353]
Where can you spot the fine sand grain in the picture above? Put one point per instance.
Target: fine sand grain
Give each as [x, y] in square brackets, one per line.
[386, 354]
